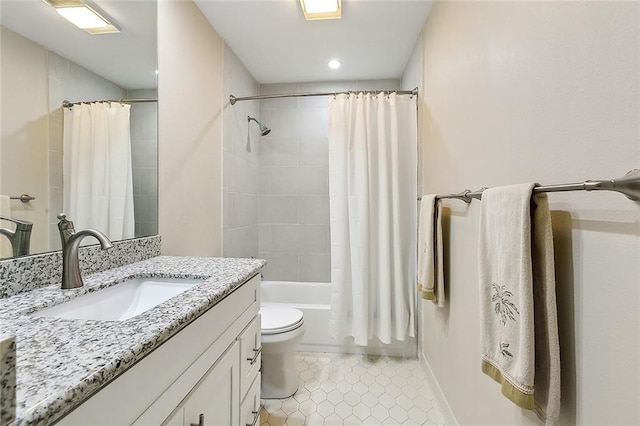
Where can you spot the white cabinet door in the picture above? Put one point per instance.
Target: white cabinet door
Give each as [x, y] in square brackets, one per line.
[250, 407]
[217, 395]
[250, 354]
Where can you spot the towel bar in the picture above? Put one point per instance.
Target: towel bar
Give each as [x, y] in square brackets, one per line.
[628, 185]
[25, 198]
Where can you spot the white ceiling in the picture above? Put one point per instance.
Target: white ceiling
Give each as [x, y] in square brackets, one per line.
[373, 40]
[128, 59]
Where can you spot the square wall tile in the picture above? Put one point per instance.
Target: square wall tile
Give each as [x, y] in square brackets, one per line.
[278, 152]
[299, 181]
[314, 210]
[240, 242]
[280, 266]
[313, 122]
[299, 238]
[383, 84]
[284, 123]
[315, 267]
[274, 209]
[244, 210]
[313, 152]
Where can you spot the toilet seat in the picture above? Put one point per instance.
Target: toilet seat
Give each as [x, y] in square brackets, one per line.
[280, 320]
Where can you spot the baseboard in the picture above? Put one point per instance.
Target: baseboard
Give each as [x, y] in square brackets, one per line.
[403, 352]
[445, 408]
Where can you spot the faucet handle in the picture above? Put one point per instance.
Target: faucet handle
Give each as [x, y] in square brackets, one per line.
[65, 224]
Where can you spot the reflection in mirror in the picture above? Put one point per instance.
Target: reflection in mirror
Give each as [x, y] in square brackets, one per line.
[44, 61]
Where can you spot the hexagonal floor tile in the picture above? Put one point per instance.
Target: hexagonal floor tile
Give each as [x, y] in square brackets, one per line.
[335, 397]
[325, 409]
[380, 413]
[361, 411]
[363, 390]
[307, 408]
[344, 410]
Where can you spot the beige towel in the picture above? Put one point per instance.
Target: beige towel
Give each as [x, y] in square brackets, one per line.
[6, 250]
[520, 347]
[430, 270]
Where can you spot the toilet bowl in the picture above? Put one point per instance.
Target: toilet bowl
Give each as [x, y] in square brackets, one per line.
[282, 330]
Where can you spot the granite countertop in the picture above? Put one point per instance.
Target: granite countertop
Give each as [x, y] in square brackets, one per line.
[61, 362]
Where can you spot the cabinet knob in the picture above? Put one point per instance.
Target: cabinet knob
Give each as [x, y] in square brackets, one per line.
[200, 421]
[256, 416]
[255, 356]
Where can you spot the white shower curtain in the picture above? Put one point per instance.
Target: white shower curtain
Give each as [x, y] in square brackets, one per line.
[372, 194]
[98, 181]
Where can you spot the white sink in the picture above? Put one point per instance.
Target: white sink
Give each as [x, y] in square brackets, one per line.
[120, 301]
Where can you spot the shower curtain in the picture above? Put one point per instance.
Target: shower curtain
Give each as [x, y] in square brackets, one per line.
[372, 194]
[98, 181]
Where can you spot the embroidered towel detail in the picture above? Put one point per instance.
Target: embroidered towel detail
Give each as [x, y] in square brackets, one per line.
[519, 328]
[430, 269]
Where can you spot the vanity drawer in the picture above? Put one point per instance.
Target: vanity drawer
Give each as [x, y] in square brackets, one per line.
[250, 354]
[250, 407]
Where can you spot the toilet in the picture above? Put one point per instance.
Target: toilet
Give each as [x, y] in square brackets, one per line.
[282, 330]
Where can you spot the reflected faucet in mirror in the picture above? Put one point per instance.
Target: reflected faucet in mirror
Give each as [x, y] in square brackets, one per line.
[20, 238]
[71, 239]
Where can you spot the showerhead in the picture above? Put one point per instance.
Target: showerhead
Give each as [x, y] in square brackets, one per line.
[264, 130]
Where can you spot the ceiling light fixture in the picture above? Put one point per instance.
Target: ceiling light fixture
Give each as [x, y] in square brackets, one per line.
[321, 9]
[83, 16]
[334, 64]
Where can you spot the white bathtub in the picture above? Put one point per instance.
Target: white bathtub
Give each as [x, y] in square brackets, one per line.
[316, 315]
[314, 300]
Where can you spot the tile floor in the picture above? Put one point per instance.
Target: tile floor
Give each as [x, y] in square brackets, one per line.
[349, 389]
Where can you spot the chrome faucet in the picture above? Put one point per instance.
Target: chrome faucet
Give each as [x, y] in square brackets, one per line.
[71, 277]
[20, 238]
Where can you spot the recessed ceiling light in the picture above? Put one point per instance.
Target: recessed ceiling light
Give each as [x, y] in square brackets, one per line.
[334, 64]
[83, 16]
[321, 9]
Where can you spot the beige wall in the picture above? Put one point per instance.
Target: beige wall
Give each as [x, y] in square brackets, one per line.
[547, 92]
[190, 61]
[25, 129]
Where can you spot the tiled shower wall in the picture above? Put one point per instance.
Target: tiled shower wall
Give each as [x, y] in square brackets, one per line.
[240, 162]
[293, 197]
[144, 159]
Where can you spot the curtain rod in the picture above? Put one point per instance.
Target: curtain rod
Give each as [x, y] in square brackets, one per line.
[233, 99]
[628, 185]
[67, 104]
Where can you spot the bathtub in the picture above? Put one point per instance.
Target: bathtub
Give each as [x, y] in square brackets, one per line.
[314, 300]
[316, 315]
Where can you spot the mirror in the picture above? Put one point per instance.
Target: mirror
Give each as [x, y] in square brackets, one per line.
[45, 60]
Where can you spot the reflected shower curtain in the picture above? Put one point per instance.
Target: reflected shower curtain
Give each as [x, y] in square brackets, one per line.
[372, 194]
[98, 178]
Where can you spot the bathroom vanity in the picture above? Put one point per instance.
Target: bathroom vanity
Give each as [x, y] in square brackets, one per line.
[193, 359]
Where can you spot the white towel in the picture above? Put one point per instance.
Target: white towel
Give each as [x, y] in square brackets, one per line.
[6, 250]
[520, 347]
[430, 270]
